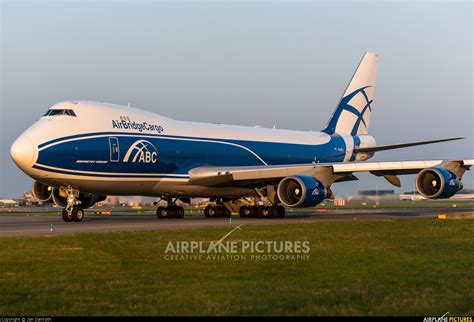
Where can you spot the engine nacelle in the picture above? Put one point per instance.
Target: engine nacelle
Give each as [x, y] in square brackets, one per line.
[87, 199]
[41, 192]
[301, 191]
[437, 183]
[58, 199]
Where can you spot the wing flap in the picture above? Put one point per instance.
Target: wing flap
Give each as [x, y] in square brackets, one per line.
[222, 175]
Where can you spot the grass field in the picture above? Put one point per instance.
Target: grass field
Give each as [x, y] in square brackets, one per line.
[400, 267]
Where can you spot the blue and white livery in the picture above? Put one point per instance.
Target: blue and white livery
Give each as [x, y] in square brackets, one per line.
[81, 151]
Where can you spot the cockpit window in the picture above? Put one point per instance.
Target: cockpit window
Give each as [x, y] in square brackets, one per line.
[56, 112]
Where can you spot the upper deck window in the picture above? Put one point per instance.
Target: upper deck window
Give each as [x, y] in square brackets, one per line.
[56, 112]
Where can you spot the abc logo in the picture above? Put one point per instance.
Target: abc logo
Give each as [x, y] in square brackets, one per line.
[142, 151]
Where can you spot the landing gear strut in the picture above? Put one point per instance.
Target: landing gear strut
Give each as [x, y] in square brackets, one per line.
[270, 208]
[73, 211]
[171, 211]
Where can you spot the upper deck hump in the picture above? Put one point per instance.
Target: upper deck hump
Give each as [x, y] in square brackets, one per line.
[100, 116]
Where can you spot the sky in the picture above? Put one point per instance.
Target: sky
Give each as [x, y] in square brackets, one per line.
[282, 63]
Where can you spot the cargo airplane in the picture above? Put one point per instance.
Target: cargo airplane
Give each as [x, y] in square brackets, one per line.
[81, 151]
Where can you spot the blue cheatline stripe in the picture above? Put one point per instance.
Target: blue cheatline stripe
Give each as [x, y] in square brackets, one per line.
[138, 175]
[155, 135]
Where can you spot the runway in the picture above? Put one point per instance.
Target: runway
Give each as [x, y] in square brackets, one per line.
[37, 225]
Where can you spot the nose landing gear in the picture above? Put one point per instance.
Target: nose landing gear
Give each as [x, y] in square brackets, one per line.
[72, 211]
[76, 214]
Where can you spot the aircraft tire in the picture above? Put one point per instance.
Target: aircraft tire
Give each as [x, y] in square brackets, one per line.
[179, 212]
[225, 213]
[159, 211]
[172, 211]
[66, 217]
[265, 212]
[207, 211]
[280, 211]
[244, 211]
[77, 214]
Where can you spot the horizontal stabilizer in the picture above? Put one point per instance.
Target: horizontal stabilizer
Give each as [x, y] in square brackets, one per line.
[403, 145]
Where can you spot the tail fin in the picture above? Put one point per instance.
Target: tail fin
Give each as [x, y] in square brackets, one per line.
[352, 114]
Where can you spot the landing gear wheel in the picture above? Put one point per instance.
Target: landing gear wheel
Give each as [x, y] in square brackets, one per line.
[207, 211]
[243, 211]
[280, 211]
[170, 212]
[253, 212]
[273, 212]
[77, 214]
[264, 212]
[159, 211]
[213, 212]
[225, 213]
[66, 216]
[218, 211]
[166, 212]
[178, 212]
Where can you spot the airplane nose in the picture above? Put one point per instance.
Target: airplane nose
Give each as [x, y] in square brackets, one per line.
[23, 152]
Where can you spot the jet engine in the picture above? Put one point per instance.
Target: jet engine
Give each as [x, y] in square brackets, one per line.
[58, 199]
[88, 199]
[41, 192]
[437, 183]
[302, 191]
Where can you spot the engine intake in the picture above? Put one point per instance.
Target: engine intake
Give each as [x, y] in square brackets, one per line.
[301, 191]
[58, 199]
[41, 192]
[437, 183]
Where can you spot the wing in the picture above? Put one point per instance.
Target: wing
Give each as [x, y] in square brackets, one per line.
[327, 173]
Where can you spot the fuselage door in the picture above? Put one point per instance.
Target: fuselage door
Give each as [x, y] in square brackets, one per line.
[114, 149]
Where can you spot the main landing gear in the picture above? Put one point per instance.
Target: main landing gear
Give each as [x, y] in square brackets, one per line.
[217, 211]
[73, 211]
[171, 211]
[262, 211]
[223, 209]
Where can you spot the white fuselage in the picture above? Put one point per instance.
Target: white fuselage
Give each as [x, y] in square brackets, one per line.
[111, 149]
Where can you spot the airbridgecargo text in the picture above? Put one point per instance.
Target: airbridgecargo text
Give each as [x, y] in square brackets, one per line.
[126, 124]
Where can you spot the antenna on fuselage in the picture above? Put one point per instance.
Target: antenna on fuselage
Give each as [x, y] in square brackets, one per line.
[128, 104]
